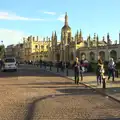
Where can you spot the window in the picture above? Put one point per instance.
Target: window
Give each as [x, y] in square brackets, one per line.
[47, 46]
[42, 47]
[36, 46]
[8, 60]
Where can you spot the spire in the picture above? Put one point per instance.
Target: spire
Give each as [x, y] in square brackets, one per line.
[55, 36]
[89, 37]
[94, 36]
[80, 33]
[97, 40]
[108, 37]
[77, 33]
[66, 19]
[52, 34]
[88, 41]
[55, 33]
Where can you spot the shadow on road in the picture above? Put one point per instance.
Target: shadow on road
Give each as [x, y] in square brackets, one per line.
[27, 73]
[34, 71]
[31, 107]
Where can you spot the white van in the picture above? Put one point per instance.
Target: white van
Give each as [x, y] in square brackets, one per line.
[9, 63]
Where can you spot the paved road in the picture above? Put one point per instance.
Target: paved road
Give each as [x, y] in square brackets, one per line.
[33, 94]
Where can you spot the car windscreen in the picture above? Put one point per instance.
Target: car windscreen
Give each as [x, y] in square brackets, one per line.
[9, 60]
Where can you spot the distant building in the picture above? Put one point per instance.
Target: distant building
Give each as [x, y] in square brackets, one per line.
[15, 51]
[10, 51]
[35, 49]
[70, 47]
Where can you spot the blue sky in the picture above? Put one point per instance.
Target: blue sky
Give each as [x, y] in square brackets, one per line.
[19, 18]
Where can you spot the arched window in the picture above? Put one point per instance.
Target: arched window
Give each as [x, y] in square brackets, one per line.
[36, 46]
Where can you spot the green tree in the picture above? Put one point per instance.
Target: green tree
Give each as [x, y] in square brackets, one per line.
[2, 51]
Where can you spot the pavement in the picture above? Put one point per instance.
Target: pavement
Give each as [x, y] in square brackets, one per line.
[112, 88]
[34, 94]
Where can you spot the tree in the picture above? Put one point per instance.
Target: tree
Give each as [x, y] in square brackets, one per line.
[2, 51]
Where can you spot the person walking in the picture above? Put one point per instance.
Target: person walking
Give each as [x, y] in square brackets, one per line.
[77, 71]
[98, 70]
[111, 69]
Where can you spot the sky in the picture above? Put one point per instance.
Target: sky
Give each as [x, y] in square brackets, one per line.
[20, 18]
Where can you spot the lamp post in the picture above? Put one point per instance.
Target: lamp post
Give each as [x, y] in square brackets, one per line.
[66, 66]
[109, 54]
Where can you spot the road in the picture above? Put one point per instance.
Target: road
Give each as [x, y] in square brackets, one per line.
[33, 94]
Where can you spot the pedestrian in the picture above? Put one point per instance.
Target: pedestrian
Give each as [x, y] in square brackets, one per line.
[111, 69]
[102, 71]
[77, 71]
[98, 70]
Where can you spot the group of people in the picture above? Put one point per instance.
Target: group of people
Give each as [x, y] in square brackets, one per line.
[100, 71]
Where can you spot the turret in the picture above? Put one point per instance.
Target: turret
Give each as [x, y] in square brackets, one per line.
[66, 19]
[33, 38]
[77, 33]
[52, 35]
[88, 41]
[55, 39]
[97, 42]
[103, 39]
[80, 34]
[37, 38]
[108, 38]
[109, 42]
[94, 38]
[55, 35]
[44, 39]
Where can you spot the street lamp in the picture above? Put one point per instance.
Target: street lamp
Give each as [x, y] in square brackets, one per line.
[109, 54]
[64, 52]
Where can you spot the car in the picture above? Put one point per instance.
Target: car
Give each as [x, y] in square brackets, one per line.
[9, 64]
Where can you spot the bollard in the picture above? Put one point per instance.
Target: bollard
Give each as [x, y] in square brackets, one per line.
[57, 69]
[104, 83]
[67, 71]
[50, 68]
[45, 66]
[117, 73]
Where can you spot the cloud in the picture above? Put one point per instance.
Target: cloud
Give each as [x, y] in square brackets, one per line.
[61, 18]
[12, 16]
[49, 13]
[11, 36]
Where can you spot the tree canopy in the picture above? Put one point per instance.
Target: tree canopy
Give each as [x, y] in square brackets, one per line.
[2, 51]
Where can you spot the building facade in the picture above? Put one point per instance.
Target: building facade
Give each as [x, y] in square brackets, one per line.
[36, 49]
[19, 52]
[15, 51]
[71, 47]
[10, 50]
[67, 49]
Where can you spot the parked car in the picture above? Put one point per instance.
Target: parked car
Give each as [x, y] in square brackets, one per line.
[9, 63]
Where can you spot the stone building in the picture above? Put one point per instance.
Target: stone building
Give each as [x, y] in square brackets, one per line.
[15, 51]
[36, 49]
[10, 51]
[69, 47]
[19, 53]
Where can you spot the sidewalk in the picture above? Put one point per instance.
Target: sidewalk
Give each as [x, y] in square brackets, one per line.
[112, 88]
